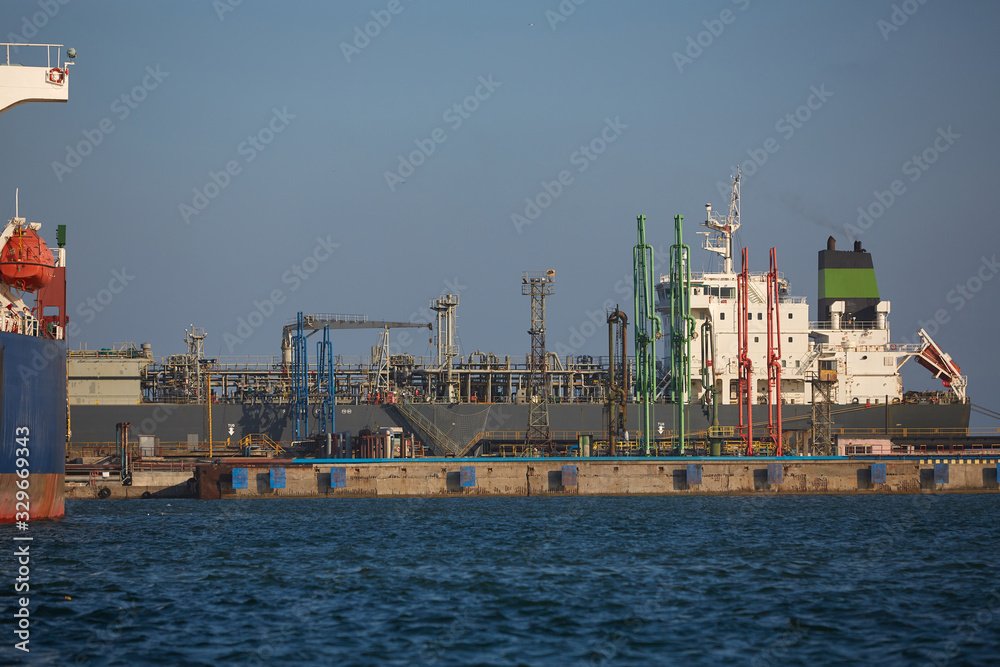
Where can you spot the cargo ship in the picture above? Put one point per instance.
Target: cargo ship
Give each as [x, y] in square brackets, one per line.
[843, 366]
[33, 398]
[840, 376]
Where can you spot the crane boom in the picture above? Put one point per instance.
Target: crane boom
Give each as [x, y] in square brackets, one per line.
[336, 321]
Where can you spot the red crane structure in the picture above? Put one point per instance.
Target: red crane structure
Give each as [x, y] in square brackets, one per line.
[773, 358]
[745, 365]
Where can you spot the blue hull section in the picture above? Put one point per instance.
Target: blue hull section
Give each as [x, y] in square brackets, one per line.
[32, 403]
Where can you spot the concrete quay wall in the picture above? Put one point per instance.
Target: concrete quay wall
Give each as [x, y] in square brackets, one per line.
[594, 477]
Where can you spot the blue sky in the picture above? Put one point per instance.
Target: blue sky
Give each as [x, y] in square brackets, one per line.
[686, 91]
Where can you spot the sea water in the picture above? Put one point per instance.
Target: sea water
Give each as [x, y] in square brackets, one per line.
[909, 579]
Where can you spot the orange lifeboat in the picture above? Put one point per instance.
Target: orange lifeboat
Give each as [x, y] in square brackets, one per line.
[26, 263]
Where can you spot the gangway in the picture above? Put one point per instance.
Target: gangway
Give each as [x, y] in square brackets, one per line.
[941, 365]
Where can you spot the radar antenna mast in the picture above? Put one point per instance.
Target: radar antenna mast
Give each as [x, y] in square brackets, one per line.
[720, 239]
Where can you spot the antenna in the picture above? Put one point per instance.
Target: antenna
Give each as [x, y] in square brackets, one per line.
[720, 239]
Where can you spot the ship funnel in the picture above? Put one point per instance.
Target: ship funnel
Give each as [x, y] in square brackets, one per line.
[847, 277]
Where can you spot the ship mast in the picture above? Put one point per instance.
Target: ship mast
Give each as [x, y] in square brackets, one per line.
[720, 239]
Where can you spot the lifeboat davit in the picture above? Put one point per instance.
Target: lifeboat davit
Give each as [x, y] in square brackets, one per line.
[26, 263]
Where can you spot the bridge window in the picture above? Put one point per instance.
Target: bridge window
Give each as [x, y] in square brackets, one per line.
[789, 316]
[722, 316]
[760, 316]
[723, 292]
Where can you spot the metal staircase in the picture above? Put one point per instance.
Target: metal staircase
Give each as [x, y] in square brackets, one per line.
[807, 360]
[440, 443]
[755, 294]
[260, 440]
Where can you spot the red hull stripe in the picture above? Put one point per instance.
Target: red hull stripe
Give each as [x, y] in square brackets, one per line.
[45, 492]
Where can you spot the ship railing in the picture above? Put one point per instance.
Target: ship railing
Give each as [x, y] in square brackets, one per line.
[50, 49]
[713, 276]
[664, 444]
[172, 448]
[330, 317]
[116, 350]
[183, 448]
[163, 466]
[981, 431]
[90, 449]
[21, 323]
[883, 347]
[262, 442]
[951, 449]
[792, 299]
[847, 326]
[250, 362]
[363, 363]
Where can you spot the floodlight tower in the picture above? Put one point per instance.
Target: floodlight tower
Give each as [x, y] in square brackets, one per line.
[538, 285]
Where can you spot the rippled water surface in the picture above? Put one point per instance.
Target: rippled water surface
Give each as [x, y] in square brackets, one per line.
[589, 581]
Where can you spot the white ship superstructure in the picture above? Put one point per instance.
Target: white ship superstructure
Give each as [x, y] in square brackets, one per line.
[848, 350]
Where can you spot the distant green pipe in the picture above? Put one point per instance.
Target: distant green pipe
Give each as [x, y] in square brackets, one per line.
[647, 331]
[682, 330]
